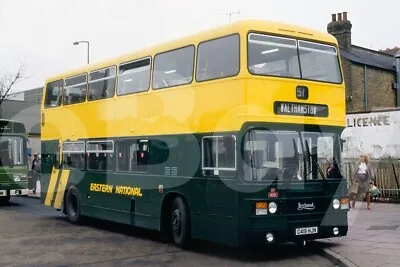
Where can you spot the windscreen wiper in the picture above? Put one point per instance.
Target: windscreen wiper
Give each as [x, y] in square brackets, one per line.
[314, 161]
[304, 158]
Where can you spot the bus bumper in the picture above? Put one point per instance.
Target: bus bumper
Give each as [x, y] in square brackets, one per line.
[265, 237]
[19, 192]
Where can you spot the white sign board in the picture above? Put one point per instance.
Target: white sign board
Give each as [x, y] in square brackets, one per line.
[375, 133]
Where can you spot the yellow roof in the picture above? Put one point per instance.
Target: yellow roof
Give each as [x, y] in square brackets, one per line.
[236, 27]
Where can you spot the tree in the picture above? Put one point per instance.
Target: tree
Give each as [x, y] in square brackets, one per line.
[7, 81]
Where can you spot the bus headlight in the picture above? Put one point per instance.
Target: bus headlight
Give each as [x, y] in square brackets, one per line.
[272, 208]
[261, 208]
[336, 204]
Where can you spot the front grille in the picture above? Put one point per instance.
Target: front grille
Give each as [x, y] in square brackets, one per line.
[316, 217]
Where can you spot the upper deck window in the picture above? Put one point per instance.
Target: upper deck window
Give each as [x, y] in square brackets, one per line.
[173, 68]
[53, 95]
[134, 77]
[290, 58]
[75, 90]
[319, 62]
[218, 58]
[102, 83]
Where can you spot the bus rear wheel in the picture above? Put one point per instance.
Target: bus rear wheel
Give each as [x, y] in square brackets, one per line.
[180, 222]
[73, 205]
[4, 200]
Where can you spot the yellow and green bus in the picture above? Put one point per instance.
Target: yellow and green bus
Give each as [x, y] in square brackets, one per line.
[13, 160]
[223, 136]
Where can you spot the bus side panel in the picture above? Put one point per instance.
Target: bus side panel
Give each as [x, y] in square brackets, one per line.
[222, 204]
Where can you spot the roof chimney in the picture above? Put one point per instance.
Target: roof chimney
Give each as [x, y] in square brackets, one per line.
[341, 29]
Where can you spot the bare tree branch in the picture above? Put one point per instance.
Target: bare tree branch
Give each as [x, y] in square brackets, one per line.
[7, 81]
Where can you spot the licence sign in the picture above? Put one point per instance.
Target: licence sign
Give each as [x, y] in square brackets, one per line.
[307, 231]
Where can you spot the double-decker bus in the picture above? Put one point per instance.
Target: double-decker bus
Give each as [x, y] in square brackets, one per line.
[223, 136]
[13, 160]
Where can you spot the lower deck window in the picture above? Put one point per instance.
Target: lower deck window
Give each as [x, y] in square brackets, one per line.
[218, 154]
[133, 156]
[100, 155]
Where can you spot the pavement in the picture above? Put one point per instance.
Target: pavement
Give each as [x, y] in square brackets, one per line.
[373, 238]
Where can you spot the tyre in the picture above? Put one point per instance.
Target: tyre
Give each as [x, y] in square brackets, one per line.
[4, 200]
[73, 205]
[180, 223]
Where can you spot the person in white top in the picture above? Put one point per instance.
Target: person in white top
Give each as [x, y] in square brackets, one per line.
[362, 179]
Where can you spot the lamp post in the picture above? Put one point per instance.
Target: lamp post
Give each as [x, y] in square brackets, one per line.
[87, 42]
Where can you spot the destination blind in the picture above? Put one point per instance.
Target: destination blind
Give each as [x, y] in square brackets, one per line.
[300, 109]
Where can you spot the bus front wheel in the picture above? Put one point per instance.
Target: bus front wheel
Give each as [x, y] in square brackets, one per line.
[180, 223]
[73, 205]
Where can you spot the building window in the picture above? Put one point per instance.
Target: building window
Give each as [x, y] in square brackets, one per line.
[218, 154]
[102, 84]
[74, 155]
[100, 155]
[53, 95]
[173, 68]
[75, 89]
[134, 77]
[218, 58]
[133, 155]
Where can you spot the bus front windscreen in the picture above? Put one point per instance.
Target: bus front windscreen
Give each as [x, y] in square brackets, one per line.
[11, 151]
[291, 58]
[290, 155]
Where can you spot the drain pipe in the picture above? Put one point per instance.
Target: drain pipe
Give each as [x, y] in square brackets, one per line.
[397, 65]
[365, 89]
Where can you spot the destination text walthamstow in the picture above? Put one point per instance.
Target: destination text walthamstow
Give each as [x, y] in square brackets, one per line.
[298, 109]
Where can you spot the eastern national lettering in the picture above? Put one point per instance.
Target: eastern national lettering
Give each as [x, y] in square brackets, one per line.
[119, 190]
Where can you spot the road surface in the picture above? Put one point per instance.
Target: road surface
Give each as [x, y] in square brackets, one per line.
[34, 235]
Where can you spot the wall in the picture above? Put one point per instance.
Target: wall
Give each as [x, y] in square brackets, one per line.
[379, 89]
[375, 133]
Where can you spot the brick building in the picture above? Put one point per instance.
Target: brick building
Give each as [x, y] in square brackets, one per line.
[370, 76]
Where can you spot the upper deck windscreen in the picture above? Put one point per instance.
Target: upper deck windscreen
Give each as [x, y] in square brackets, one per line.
[291, 58]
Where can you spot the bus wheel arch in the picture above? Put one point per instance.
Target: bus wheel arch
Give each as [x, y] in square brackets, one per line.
[170, 200]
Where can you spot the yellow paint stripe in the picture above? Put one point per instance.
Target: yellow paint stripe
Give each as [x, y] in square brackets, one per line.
[61, 189]
[52, 186]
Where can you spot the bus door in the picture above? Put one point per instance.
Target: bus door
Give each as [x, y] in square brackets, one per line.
[221, 196]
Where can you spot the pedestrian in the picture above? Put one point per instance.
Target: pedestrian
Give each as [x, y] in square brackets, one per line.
[361, 181]
[333, 171]
[35, 168]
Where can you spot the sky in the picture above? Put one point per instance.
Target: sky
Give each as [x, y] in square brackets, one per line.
[40, 33]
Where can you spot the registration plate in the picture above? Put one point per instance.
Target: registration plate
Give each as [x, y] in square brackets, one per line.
[307, 231]
[3, 193]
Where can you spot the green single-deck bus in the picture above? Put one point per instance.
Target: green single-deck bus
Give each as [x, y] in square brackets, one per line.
[223, 136]
[13, 160]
